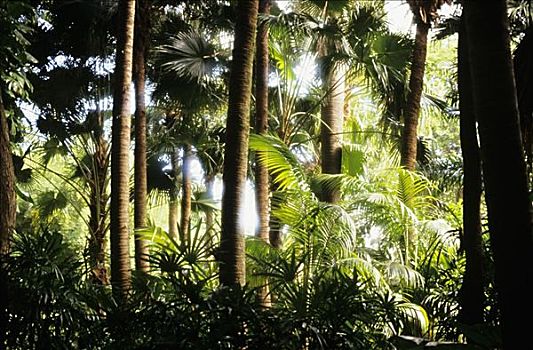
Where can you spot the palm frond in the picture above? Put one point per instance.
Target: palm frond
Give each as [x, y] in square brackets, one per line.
[282, 164]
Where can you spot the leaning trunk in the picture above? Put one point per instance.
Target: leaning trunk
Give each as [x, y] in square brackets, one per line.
[412, 107]
[232, 263]
[332, 114]
[186, 194]
[472, 296]
[120, 256]
[504, 169]
[8, 199]
[140, 190]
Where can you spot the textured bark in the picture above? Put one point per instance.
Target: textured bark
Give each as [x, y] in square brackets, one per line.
[504, 169]
[262, 180]
[98, 205]
[412, 107]
[232, 263]
[141, 193]
[472, 296]
[8, 200]
[261, 122]
[173, 199]
[120, 255]
[186, 194]
[332, 114]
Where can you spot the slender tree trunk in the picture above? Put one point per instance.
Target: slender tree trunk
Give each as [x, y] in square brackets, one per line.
[186, 194]
[332, 114]
[262, 180]
[120, 255]
[261, 122]
[472, 296]
[232, 263]
[412, 107]
[140, 191]
[504, 169]
[98, 205]
[209, 213]
[8, 211]
[8, 200]
[173, 206]
[274, 224]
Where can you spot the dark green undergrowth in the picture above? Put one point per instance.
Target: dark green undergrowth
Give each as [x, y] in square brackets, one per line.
[52, 305]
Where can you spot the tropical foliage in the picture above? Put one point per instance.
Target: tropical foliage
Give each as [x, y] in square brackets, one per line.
[385, 213]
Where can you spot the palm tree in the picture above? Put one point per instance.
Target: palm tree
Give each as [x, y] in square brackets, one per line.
[140, 43]
[425, 12]
[504, 169]
[472, 290]
[7, 184]
[261, 120]
[232, 268]
[120, 256]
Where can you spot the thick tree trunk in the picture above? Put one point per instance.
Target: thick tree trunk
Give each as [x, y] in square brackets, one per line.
[332, 114]
[98, 205]
[186, 194]
[412, 107]
[8, 200]
[140, 190]
[472, 296]
[504, 169]
[261, 122]
[120, 255]
[232, 263]
[173, 205]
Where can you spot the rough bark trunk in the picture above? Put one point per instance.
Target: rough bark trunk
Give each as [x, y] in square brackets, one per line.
[141, 193]
[8, 200]
[120, 255]
[472, 296]
[261, 122]
[412, 107]
[504, 169]
[232, 263]
[186, 194]
[98, 205]
[332, 114]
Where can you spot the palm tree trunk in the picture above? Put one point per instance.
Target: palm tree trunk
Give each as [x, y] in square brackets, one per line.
[504, 169]
[261, 127]
[120, 256]
[8, 198]
[98, 205]
[186, 194]
[140, 190]
[261, 122]
[472, 296]
[173, 199]
[332, 114]
[232, 263]
[412, 107]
